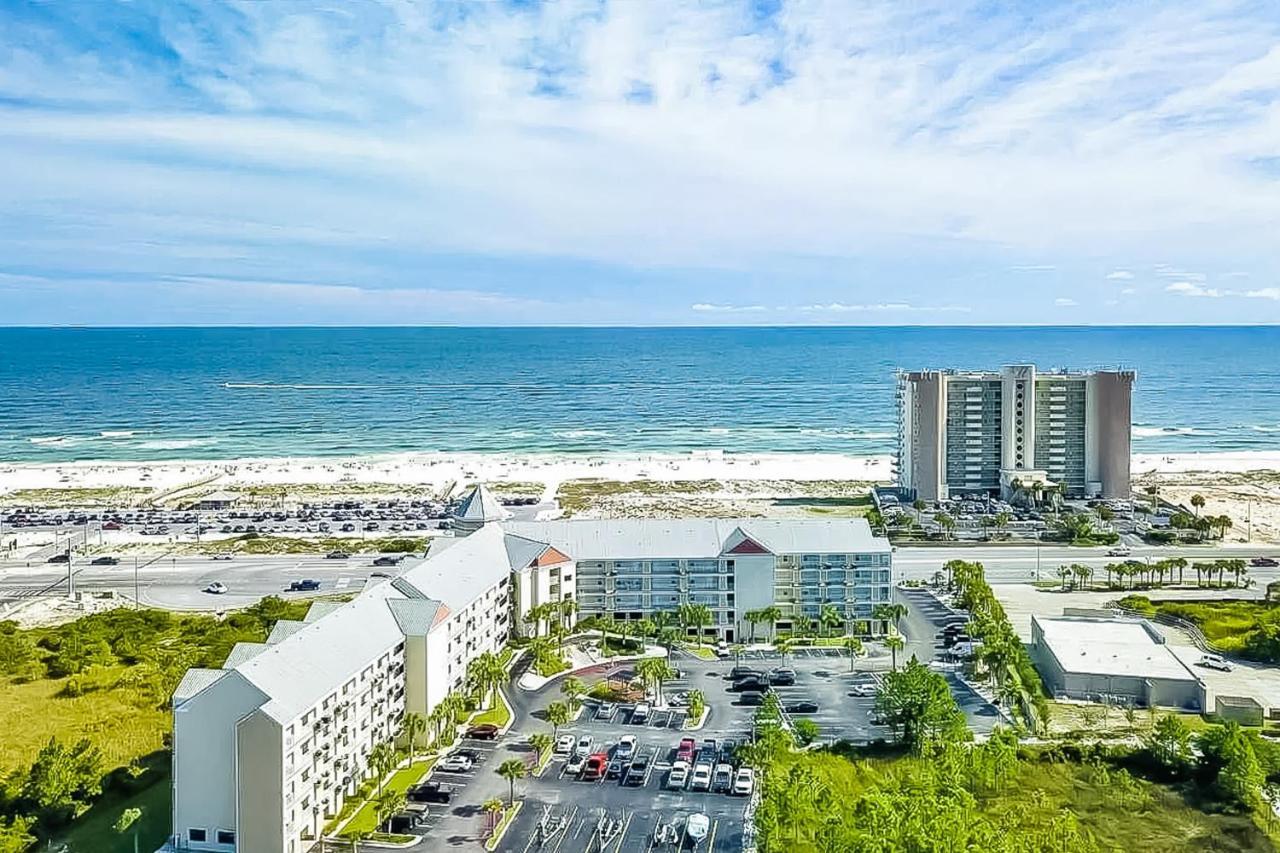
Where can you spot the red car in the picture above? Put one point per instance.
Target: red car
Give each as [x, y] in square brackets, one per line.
[111, 525]
[595, 767]
[484, 731]
[686, 749]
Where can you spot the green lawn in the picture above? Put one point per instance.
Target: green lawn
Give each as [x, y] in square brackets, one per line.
[92, 833]
[1236, 627]
[499, 715]
[703, 652]
[400, 781]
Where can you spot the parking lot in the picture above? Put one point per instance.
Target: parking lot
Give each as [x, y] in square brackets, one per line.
[563, 812]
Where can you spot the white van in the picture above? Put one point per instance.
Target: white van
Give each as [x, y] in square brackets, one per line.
[1215, 662]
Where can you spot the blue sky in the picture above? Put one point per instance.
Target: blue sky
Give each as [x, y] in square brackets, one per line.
[659, 162]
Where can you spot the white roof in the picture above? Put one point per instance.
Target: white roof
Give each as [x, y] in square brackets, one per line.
[653, 538]
[457, 572]
[481, 507]
[1119, 647]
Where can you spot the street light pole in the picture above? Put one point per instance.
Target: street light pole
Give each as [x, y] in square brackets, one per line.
[136, 602]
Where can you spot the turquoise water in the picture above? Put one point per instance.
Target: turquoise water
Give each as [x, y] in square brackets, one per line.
[129, 394]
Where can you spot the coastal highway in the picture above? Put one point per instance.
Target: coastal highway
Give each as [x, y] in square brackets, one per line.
[177, 583]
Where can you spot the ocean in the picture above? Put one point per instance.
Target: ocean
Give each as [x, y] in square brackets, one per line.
[222, 393]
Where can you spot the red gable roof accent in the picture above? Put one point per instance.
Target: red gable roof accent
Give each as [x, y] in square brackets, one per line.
[551, 557]
[749, 546]
[442, 613]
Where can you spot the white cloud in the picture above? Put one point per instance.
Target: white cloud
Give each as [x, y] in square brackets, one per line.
[1119, 275]
[1189, 288]
[711, 308]
[1129, 291]
[844, 308]
[1264, 293]
[1064, 302]
[1034, 268]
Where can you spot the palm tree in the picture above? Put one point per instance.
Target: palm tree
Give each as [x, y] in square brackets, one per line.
[853, 646]
[382, 758]
[414, 725]
[1002, 520]
[831, 617]
[894, 642]
[572, 687]
[386, 804]
[919, 506]
[945, 522]
[541, 742]
[1197, 501]
[558, 714]
[567, 608]
[889, 614]
[655, 671]
[493, 808]
[752, 617]
[771, 615]
[357, 837]
[487, 673]
[697, 617]
[1063, 572]
[511, 770]
[783, 646]
[606, 625]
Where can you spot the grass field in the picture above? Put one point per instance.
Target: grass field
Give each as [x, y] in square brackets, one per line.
[400, 781]
[117, 496]
[1138, 816]
[499, 715]
[93, 832]
[31, 713]
[1234, 627]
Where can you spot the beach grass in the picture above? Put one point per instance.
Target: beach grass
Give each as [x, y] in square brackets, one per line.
[258, 544]
[515, 488]
[116, 496]
[709, 498]
[112, 718]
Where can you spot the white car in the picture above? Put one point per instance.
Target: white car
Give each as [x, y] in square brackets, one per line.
[584, 746]
[606, 711]
[577, 762]
[641, 713]
[456, 764]
[1215, 662]
[1119, 551]
[701, 779]
[564, 745]
[863, 690]
[745, 782]
[626, 748]
[216, 588]
[679, 776]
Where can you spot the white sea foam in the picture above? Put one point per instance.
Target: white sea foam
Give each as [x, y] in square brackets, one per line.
[1266, 428]
[582, 433]
[175, 443]
[1154, 432]
[48, 439]
[849, 434]
[117, 433]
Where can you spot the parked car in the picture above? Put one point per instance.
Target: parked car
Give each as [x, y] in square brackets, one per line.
[722, 778]
[404, 821]
[745, 782]
[105, 561]
[743, 671]
[751, 698]
[484, 731]
[1215, 662]
[1264, 562]
[641, 713]
[678, 700]
[606, 711]
[564, 745]
[782, 677]
[639, 768]
[684, 752]
[728, 751]
[595, 767]
[305, 585]
[59, 558]
[678, 777]
[216, 588]
[626, 747]
[614, 771]
[455, 763]
[700, 779]
[863, 690]
[759, 684]
[430, 792]
[802, 708]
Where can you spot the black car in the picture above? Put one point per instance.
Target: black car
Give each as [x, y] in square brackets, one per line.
[728, 751]
[751, 683]
[639, 767]
[430, 792]
[782, 677]
[59, 558]
[105, 561]
[751, 698]
[387, 561]
[744, 671]
[306, 585]
[403, 822]
[802, 708]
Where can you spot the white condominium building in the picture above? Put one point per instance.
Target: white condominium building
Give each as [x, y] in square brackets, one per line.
[963, 433]
[267, 748]
[633, 568]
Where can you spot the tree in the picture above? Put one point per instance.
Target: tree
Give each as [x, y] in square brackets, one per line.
[558, 715]
[805, 730]
[541, 743]
[61, 779]
[697, 704]
[918, 705]
[16, 834]
[1241, 777]
[752, 617]
[783, 645]
[486, 674]
[1170, 743]
[493, 808]
[573, 688]
[1002, 520]
[511, 770]
[894, 643]
[889, 614]
[919, 506]
[655, 671]
[853, 646]
[414, 725]
[946, 523]
[1197, 501]
[697, 617]
[1063, 572]
[388, 803]
[831, 617]
[357, 837]
[770, 616]
[382, 759]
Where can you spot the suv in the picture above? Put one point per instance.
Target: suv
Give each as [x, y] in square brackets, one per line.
[684, 752]
[1215, 662]
[430, 792]
[739, 672]
[641, 713]
[306, 585]
[782, 677]
[639, 768]
[701, 778]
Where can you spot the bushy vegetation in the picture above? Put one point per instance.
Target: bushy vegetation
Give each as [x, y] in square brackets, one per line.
[86, 704]
[1249, 629]
[1005, 657]
[256, 543]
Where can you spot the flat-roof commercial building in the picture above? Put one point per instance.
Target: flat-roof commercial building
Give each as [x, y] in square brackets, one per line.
[962, 433]
[1121, 660]
[267, 748]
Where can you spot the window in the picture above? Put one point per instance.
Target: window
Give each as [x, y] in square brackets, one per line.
[226, 836]
[196, 835]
